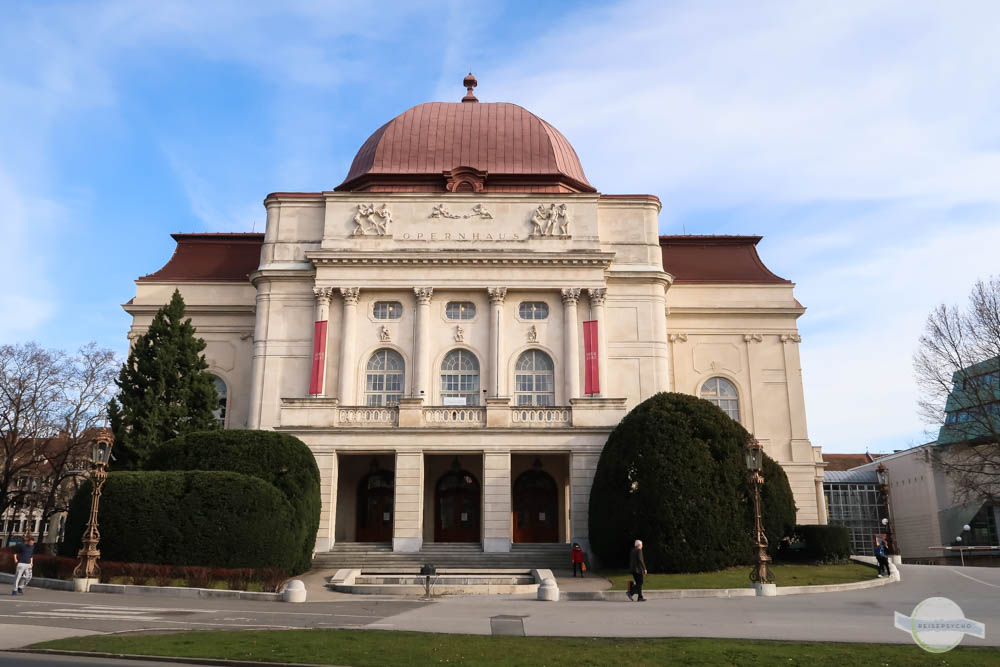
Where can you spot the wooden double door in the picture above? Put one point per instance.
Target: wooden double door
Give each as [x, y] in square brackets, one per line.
[376, 497]
[457, 505]
[536, 504]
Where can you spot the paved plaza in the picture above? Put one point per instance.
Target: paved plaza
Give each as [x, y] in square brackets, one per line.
[856, 616]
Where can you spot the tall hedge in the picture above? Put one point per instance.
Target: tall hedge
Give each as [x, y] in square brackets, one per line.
[283, 461]
[217, 519]
[673, 475]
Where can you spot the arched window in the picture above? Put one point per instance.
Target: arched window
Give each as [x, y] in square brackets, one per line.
[460, 378]
[384, 378]
[534, 383]
[723, 393]
[223, 393]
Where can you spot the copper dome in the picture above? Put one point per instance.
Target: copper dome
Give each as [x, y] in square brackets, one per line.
[466, 147]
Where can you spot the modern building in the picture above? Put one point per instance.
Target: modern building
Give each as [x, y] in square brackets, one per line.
[426, 327]
[854, 500]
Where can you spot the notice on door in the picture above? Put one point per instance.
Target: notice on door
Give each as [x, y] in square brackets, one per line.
[465, 516]
[541, 516]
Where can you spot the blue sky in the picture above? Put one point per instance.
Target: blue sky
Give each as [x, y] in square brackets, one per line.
[859, 138]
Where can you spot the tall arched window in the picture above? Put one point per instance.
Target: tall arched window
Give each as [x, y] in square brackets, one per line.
[460, 378]
[384, 378]
[223, 393]
[723, 393]
[534, 383]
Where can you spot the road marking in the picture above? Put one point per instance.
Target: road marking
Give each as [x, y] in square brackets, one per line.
[978, 581]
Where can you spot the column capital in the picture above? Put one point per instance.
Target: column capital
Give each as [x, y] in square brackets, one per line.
[597, 296]
[497, 295]
[570, 295]
[424, 295]
[323, 294]
[350, 295]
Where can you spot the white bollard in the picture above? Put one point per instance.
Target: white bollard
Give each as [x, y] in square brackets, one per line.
[548, 590]
[766, 590]
[295, 591]
[83, 584]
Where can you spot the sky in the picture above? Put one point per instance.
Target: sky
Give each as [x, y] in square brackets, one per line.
[859, 138]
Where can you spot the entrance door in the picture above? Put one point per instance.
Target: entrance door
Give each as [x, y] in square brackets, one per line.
[456, 505]
[535, 505]
[375, 499]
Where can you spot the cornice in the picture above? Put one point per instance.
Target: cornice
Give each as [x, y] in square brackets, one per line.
[737, 310]
[447, 257]
[213, 309]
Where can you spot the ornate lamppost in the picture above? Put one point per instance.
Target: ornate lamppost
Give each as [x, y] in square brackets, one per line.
[882, 473]
[754, 460]
[88, 554]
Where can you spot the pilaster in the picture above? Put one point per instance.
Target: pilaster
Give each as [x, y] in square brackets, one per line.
[497, 377]
[421, 343]
[348, 334]
[407, 528]
[496, 501]
[571, 374]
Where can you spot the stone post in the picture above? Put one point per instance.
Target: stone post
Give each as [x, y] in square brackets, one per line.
[407, 527]
[422, 345]
[496, 501]
[347, 335]
[571, 340]
[497, 375]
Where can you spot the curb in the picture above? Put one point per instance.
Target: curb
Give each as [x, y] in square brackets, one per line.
[154, 591]
[680, 593]
[162, 658]
[40, 582]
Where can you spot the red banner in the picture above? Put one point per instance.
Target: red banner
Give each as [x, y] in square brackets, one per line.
[319, 358]
[592, 380]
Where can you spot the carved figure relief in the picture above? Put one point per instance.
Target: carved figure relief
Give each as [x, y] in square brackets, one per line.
[551, 220]
[675, 337]
[383, 334]
[532, 334]
[459, 334]
[755, 337]
[791, 338]
[370, 220]
[478, 211]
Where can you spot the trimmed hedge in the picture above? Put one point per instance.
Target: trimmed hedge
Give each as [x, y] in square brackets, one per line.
[283, 461]
[824, 543]
[218, 519]
[673, 475]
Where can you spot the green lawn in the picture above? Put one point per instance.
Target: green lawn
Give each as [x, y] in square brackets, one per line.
[377, 648]
[739, 577]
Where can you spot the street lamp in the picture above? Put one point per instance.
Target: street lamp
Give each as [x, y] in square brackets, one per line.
[754, 453]
[961, 552]
[882, 473]
[88, 568]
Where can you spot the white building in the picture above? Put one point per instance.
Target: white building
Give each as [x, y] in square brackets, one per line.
[420, 327]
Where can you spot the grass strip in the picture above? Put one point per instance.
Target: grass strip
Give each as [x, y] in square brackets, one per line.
[363, 648]
[738, 577]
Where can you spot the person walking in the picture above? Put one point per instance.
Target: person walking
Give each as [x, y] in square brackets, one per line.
[24, 556]
[637, 565]
[576, 556]
[882, 556]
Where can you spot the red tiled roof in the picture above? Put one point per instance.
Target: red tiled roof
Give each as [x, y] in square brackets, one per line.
[715, 259]
[846, 461]
[211, 257]
[517, 150]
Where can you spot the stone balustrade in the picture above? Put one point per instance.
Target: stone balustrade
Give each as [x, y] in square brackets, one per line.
[367, 416]
[541, 417]
[454, 416]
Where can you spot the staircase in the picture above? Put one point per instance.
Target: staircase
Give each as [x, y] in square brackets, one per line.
[370, 556]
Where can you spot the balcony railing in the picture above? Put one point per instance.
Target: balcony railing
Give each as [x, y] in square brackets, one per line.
[367, 416]
[541, 417]
[454, 416]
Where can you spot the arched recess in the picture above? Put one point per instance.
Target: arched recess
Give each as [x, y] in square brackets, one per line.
[222, 391]
[459, 375]
[724, 392]
[376, 499]
[383, 377]
[457, 507]
[534, 381]
[536, 506]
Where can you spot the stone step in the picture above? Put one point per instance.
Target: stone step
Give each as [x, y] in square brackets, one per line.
[443, 580]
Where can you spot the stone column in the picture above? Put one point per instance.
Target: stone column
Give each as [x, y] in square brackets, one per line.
[407, 526]
[496, 501]
[327, 464]
[571, 343]
[497, 377]
[597, 298]
[317, 380]
[349, 325]
[422, 345]
[582, 466]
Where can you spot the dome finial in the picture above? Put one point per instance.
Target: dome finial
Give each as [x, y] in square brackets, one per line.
[469, 82]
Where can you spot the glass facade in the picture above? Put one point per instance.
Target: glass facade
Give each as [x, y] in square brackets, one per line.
[858, 506]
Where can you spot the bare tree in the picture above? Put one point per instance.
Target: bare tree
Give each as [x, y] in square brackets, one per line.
[957, 366]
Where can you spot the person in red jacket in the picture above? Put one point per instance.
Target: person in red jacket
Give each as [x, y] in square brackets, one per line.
[577, 557]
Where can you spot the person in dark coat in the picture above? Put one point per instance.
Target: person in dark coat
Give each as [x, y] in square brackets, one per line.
[576, 556]
[637, 566]
[882, 556]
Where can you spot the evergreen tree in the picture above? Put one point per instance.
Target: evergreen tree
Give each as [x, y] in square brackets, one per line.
[164, 389]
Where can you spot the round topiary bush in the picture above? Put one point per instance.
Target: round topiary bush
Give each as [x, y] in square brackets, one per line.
[217, 519]
[281, 460]
[673, 475]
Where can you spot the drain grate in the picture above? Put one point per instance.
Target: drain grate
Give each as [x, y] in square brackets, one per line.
[507, 625]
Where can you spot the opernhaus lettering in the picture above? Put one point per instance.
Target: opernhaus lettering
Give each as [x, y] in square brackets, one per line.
[461, 236]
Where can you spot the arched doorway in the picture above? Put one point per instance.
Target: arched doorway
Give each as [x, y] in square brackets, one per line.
[456, 507]
[376, 492]
[536, 503]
